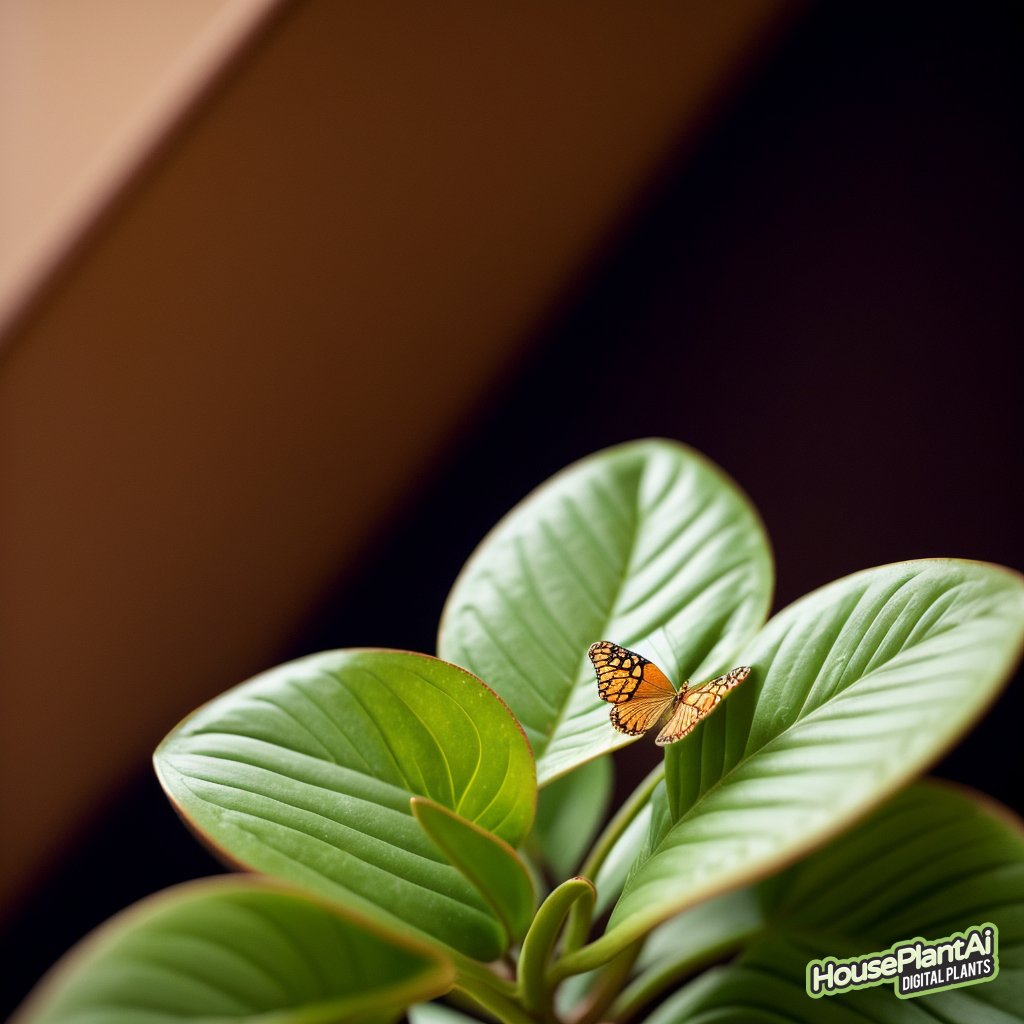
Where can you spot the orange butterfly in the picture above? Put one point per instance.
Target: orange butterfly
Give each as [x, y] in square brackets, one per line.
[641, 693]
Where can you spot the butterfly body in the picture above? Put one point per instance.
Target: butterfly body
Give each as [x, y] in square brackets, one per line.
[641, 694]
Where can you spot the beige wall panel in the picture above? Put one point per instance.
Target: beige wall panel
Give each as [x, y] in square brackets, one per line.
[86, 88]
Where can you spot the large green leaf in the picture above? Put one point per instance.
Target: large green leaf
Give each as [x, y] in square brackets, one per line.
[930, 862]
[306, 772]
[854, 690]
[647, 545]
[232, 950]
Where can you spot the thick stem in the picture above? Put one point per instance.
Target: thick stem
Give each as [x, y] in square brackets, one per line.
[595, 955]
[491, 1002]
[534, 986]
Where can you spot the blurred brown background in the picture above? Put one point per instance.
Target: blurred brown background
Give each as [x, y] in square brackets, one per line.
[346, 304]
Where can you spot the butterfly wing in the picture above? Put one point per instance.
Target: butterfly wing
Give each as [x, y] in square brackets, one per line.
[696, 704]
[638, 689]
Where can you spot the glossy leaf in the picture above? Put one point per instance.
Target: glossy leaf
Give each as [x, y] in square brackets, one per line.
[570, 811]
[489, 863]
[854, 690]
[229, 950]
[306, 772]
[930, 862]
[646, 544]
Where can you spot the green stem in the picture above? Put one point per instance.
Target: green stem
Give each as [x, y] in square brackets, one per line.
[493, 1003]
[481, 974]
[608, 986]
[653, 983]
[578, 928]
[596, 954]
[621, 821]
[580, 917]
[534, 987]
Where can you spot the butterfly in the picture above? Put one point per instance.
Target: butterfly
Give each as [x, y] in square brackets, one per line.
[640, 693]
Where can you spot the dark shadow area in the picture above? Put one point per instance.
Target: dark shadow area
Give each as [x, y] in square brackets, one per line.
[824, 298]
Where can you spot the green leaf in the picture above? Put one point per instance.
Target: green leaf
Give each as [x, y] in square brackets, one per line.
[306, 772]
[232, 950]
[648, 545]
[569, 813]
[854, 690]
[932, 861]
[487, 861]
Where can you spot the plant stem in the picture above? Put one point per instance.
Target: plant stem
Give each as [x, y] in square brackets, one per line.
[534, 986]
[493, 1003]
[580, 915]
[648, 986]
[609, 986]
[481, 974]
[621, 820]
[590, 957]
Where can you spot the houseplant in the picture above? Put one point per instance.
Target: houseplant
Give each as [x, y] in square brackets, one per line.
[389, 800]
